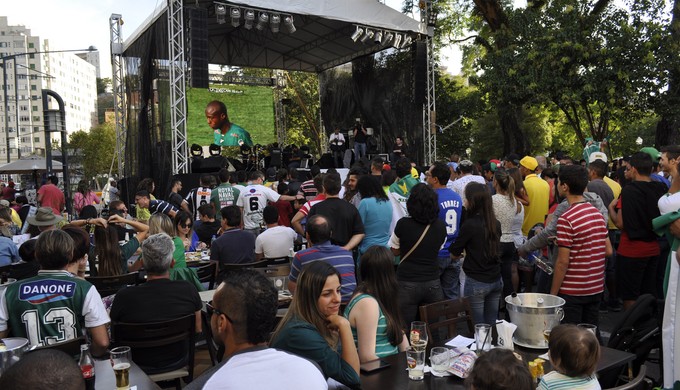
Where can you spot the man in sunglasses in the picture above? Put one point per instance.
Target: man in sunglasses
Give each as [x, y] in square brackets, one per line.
[242, 316]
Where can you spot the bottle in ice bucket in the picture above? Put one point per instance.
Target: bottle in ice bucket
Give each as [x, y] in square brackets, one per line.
[515, 299]
[87, 366]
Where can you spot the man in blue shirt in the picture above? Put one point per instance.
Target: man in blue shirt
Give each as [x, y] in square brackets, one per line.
[450, 211]
[319, 237]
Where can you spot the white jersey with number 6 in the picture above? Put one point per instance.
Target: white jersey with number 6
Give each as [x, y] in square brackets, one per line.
[253, 200]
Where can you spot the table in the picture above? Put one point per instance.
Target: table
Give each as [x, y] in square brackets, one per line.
[396, 376]
[105, 380]
[207, 296]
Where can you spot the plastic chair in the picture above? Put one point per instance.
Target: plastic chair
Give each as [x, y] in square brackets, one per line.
[445, 317]
[638, 383]
[226, 268]
[109, 285]
[71, 347]
[160, 334]
[215, 351]
[206, 274]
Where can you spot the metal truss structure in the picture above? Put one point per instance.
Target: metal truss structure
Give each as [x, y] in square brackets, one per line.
[178, 102]
[117, 79]
[429, 108]
[279, 106]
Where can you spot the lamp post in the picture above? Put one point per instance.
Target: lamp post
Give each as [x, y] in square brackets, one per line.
[16, 98]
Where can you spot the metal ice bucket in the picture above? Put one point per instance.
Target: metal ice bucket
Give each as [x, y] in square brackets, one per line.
[15, 348]
[538, 312]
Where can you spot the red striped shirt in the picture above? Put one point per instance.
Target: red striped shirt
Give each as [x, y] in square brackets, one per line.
[583, 230]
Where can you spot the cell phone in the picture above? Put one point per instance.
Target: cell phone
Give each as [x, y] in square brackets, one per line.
[373, 366]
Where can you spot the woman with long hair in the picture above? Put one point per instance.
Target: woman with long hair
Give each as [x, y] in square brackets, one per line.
[113, 257]
[314, 329]
[373, 311]
[375, 211]
[520, 191]
[510, 213]
[417, 239]
[183, 224]
[479, 236]
[161, 223]
[84, 196]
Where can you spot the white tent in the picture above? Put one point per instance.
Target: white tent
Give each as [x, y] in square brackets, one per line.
[322, 39]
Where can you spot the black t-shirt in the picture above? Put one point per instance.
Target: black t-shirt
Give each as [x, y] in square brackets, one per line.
[206, 230]
[175, 199]
[344, 219]
[477, 264]
[360, 137]
[421, 265]
[154, 301]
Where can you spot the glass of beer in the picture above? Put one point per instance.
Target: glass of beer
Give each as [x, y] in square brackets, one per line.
[120, 360]
[418, 335]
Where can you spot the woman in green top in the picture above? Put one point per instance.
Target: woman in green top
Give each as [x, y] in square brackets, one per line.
[313, 328]
[373, 312]
[161, 223]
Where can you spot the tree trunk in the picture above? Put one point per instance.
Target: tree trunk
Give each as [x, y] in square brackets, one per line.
[514, 140]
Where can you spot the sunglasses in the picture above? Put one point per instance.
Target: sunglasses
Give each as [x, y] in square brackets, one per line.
[211, 309]
[186, 225]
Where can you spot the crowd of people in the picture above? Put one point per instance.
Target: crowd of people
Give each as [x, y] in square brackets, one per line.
[365, 252]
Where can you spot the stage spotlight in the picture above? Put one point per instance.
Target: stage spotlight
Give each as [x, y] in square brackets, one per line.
[387, 38]
[289, 23]
[396, 41]
[369, 34]
[249, 17]
[357, 34]
[262, 21]
[275, 22]
[235, 17]
[407, 41]
[377, 38]
[221, 12]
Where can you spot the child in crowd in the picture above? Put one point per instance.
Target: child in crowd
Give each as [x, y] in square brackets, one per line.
[499, 369]
[574, 353]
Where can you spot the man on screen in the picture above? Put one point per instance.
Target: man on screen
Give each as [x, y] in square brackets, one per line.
[226, 133]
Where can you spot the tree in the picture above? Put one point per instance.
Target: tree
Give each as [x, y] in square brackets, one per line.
[94, 150]
[103, 85]
[596, 63]
[668, 127]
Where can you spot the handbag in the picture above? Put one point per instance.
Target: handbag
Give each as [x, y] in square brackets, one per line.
[416, 244]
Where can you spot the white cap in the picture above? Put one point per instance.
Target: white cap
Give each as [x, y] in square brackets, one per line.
[597, 156]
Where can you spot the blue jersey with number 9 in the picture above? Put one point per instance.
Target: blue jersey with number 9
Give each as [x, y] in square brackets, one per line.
[450, 209]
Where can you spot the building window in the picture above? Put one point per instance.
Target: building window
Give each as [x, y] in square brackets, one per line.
[30, 45]
[32, 66]
[31, 56]
[35, 108]
[34, 88]
[36, 139]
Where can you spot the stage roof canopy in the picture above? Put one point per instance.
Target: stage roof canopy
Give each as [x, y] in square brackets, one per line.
[321, 41]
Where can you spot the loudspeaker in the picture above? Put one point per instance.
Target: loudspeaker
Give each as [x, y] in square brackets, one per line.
[275, 158]
[208, 165]
[419, 69]
[198, 46]
[326, 161]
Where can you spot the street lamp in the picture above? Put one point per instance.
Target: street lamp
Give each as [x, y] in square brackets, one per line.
[13, 57]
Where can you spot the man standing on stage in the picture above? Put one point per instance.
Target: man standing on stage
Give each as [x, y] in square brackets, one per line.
[226, 133]
[337, 144]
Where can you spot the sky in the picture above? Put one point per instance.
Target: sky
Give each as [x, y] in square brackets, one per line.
[78, 24]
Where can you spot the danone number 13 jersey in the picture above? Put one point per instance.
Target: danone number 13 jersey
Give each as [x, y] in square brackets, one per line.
[51, 307]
